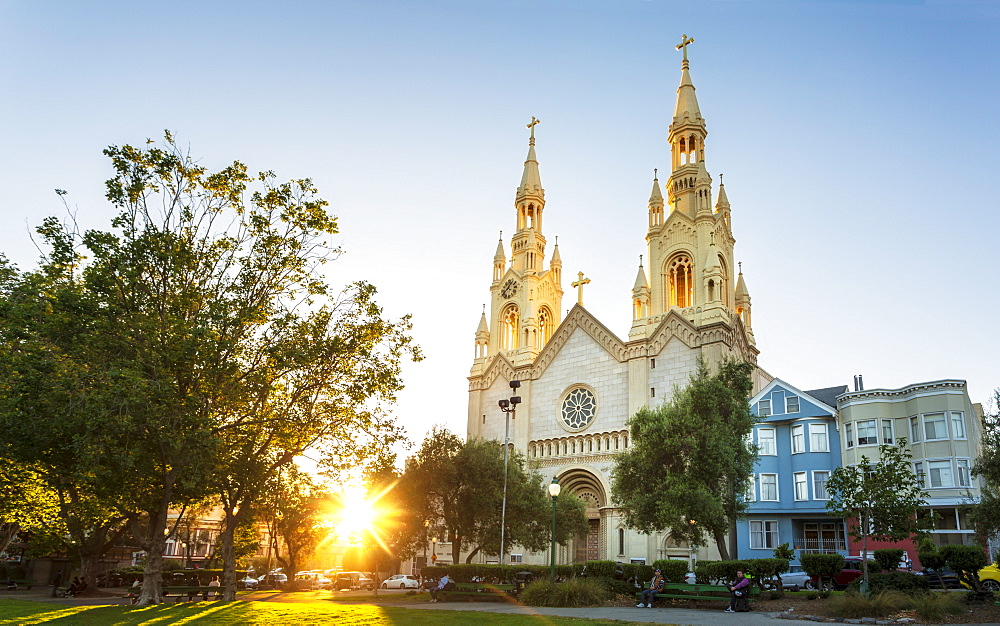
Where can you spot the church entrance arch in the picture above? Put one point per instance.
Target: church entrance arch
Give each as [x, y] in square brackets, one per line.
[586, 486]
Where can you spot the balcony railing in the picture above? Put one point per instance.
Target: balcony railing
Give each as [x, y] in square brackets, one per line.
[819, 546]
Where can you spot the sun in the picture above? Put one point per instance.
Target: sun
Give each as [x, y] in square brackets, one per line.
[357, 514]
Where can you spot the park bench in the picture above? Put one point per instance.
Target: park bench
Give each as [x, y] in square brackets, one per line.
[478, 592]
[699, 593]
[19, 583]
[180, 592]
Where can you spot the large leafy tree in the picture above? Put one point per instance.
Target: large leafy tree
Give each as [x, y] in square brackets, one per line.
[690, 460]
[296, 517]
[986, 512]
[458, 486]
[878, 500]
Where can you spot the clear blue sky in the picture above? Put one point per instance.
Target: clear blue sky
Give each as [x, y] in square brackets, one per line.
[858, 142]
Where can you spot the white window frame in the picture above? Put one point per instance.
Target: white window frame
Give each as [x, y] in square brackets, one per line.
[963, 475]
[761, 411]
[957, 424]
[873, 427]
[816, 492]
[777, 492]
[942, 464]
[882, 430]
[944, 422]
[516, 558]
[773, 440]
[819, 433]
[915, 429]
[849, 435]
[800, 482]
[798, 433]
[763, 534]
[788, 407]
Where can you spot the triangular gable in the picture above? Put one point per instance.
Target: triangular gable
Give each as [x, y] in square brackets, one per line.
[581, 318]
[777, 382]
[499, 366]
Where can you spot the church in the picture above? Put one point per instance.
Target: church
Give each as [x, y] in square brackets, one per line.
[579, 382]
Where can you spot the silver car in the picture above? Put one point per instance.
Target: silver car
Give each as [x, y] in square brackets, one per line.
[795, 579]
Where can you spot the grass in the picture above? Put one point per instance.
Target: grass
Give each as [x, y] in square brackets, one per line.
[222, 613]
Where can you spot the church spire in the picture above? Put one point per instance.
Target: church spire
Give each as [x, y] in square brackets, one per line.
[687, 144]
[528, 244]
[655, 203]
[531, 180]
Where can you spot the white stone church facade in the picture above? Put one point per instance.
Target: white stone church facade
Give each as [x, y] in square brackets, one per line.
[580, 382]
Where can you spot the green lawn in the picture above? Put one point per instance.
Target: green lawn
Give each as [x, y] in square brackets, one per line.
[26, 612]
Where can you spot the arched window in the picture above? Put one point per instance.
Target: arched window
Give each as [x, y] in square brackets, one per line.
[545, 325]
[679, 272]
[509, 321]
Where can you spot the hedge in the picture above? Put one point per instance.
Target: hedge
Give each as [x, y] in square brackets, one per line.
[888, 558]
[893, 581]
[673, 570]
[822, 565]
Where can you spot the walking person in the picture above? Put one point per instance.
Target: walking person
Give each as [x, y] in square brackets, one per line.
[739, 590]
[655, 587]
[56, 581]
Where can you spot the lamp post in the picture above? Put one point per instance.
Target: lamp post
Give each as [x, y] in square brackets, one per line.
[508, 407]
[434, 551]
[554, 489]
[427, 523]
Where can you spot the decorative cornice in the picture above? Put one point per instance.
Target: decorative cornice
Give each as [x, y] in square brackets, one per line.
[905, 393]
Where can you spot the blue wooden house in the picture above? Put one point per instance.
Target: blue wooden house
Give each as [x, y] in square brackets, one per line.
[798, 448]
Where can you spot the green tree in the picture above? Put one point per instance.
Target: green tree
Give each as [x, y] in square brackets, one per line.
[297, 517]
[459, 487]
[690, 461]
[986, 512]
[878, 500]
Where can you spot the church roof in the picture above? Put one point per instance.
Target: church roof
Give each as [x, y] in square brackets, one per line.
[828, 395]
[687, 103]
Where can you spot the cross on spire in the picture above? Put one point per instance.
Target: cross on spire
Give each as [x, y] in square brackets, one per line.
[534, 122]
[685, 41]
[655, 170]
[579, 283]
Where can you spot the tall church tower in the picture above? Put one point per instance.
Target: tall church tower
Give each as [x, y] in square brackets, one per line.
[525, 297]
[690, 247]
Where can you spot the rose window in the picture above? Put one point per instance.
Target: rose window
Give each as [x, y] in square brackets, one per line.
[579, 408]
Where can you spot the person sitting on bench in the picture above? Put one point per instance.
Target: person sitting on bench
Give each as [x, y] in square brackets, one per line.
[440, 587]
[655, 587]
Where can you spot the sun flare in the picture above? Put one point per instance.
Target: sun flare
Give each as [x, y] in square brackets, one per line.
[356, 516]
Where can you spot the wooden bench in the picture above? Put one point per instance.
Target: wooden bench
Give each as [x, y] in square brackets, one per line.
[19, 583]
[479, 591]
[700, 593]
[180, 592]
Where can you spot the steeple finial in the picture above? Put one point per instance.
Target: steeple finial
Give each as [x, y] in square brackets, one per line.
[534, 122]
[685, 42]
[655, 170]
[741, 267]
[640, 260]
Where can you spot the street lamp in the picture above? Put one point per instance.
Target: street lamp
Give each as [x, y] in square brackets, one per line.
[427, 523]
[434, 551]
[508, 407]
[554, 489]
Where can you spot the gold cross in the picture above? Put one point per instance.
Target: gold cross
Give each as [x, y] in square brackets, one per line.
[534, 121]
[580, 282]
[685, 40]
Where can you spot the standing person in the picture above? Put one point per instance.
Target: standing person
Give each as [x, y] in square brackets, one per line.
[440, 587]
[655, 587]
[56, 581]
[739, 588]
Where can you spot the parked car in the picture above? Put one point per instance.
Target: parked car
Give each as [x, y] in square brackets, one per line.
[989, 576]
[401, 581]
[272, 581]
[943, 578]
[352, 580]
[795, 579]
[853, 568]
[367, 582]
[247, 583]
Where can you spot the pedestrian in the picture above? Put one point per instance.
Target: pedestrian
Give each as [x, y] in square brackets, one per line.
[56, 581]
[739, 590]
[655, 587]
[440, 587]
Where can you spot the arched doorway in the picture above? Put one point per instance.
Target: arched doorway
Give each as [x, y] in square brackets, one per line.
[587, 487]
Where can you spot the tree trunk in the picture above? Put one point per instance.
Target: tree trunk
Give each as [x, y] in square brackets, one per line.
[229, 555]
[155, 540]
[8, 531]
[720, 542]
[468, 559]
[456, 550]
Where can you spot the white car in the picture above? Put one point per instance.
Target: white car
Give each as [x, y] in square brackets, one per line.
[401, 581]
[795, 579]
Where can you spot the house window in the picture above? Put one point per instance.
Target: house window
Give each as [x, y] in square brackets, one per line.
[516, 558]
[763, 535]
[887, 437]
[935, 426]
[867, 435]
[763, 408]
[652, 364]
[957, 425]
[791, 404]
[819, 440]
[939, 474]
[798, 439]
[918, 469]
[801, 486]
[819, 485]
[637, 561]
[621, 541]
[914, 430]
[963, 473]
[765, 442]
[751, 494]
[769, 487]
[849, 435]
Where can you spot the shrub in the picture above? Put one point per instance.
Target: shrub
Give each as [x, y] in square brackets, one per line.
[895, 581]
[888, 558]
[929, 555]
[934, 606]
[853, 605]
[573, 593]
[822, 565]
[674, 571]
[966, 561]
[605, 569]
[614, 586]
[811, 595]
[760, 570]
